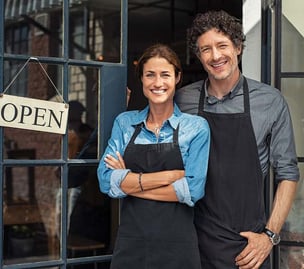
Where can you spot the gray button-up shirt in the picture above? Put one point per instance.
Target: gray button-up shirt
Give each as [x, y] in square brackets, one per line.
[269, 115]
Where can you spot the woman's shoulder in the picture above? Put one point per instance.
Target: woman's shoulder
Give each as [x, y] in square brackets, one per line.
[131, 115]
[193, 121]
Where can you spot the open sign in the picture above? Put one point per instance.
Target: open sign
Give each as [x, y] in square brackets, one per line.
[33, 114]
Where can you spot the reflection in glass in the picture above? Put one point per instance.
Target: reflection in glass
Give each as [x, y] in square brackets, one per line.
[293, 229]
[29, 212]
[89, 218]
[37, 29]
[83, 108]
[292, 89]
[88, 214]
[291, 257]
[95, 30]
[33, 28]
[32, 80]
[45, 145]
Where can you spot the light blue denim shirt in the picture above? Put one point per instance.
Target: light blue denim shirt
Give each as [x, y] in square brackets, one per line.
[194, 142]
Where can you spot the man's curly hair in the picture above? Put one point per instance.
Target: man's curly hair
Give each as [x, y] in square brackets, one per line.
[220, 20]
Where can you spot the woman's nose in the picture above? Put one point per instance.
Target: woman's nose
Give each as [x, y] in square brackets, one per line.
[158, 82]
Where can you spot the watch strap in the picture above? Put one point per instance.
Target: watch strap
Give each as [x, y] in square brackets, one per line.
[274, 237]
[268, 232]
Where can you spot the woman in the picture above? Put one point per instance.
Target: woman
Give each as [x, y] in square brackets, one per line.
[156, 160]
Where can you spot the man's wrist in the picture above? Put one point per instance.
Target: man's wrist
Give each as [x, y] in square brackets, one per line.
[273, 237]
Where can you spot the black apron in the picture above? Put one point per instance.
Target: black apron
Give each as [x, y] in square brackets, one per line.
[153, 234]
[234, 188]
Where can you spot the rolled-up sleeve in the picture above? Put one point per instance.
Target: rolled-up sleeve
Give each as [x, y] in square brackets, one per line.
[116, 178]
[182, 191]
[282, 146]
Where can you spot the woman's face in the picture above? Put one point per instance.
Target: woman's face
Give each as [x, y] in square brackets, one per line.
[159, 80]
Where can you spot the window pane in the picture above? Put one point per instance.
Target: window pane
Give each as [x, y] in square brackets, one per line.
[291, 257]
[293, 229]
[292, 89]
[89, 214]
[32, 82]
[95, 30]
[83, 110]
[44, 145]
[292, 37]
[33, 27]
[29, 213]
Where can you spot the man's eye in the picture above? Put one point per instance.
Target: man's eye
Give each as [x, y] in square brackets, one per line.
[204, 50]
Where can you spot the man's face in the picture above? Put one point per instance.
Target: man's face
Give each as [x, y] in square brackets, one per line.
[218, 55]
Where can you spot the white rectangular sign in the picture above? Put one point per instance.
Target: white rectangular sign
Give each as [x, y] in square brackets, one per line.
[33, 114]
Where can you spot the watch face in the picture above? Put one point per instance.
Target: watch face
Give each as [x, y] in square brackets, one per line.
[275, 239]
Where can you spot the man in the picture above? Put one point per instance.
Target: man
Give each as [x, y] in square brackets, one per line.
[251, 129]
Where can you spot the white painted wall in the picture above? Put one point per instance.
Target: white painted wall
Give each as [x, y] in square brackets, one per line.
[251, 63]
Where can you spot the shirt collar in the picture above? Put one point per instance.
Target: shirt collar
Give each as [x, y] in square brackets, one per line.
[234, 91]
[173, 120]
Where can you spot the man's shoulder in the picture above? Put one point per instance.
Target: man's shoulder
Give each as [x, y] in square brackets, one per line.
[270, 96]
[263, 87]
[187, 97]
[189, 88]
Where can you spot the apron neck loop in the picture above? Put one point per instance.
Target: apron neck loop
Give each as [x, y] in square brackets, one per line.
[245, 93]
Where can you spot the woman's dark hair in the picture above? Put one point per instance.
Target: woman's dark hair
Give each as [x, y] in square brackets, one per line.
[162, 51]
[219, 20]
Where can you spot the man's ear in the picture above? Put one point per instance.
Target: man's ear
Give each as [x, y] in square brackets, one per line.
[239, 50]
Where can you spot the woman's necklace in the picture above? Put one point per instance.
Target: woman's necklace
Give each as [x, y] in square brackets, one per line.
[156, 128]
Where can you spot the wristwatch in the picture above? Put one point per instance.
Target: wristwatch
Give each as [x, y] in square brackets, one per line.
[274, 237]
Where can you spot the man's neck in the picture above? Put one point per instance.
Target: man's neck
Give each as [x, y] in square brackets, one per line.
[220, 88]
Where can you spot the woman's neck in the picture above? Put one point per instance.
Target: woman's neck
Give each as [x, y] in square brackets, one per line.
[157, 116]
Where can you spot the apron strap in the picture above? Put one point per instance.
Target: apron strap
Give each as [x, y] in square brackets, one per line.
[246, 96]
[136, 132]
[175, 136]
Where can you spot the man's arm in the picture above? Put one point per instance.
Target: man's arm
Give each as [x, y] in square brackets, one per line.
[259, 245]
[282, 203]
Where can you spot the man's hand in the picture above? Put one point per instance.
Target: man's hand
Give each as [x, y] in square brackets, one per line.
[256, 251]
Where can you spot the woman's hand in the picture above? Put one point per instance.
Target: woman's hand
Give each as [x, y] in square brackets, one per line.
[115, 163]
